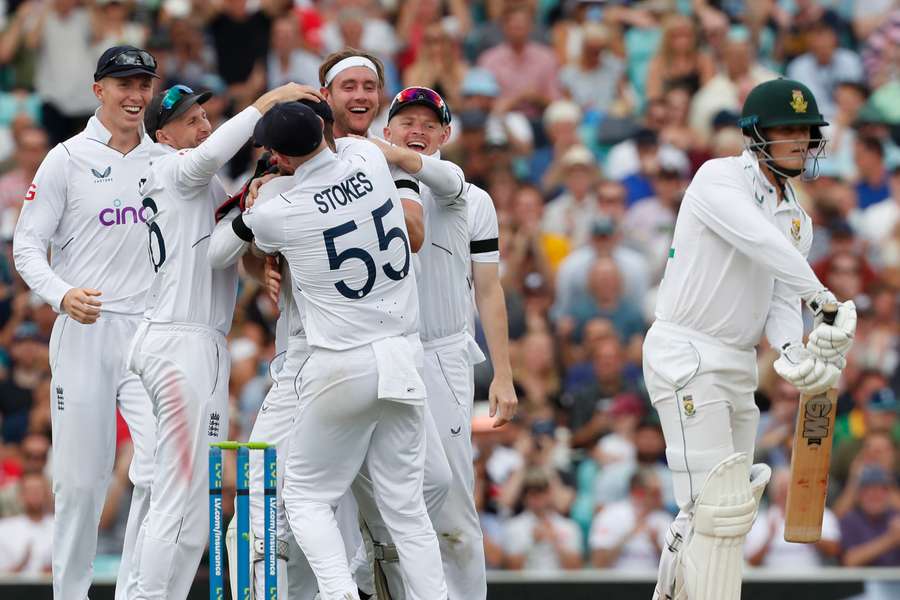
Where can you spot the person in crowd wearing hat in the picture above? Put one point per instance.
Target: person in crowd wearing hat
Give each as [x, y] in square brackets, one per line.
[560, 123]
[870, 533]
[361, 394]
[541, 539]
[179, 351]
[418, 125]
[736, 269]
[84, 206]
[649, 222]
[276, 413]
[571, 212]
[503, 126]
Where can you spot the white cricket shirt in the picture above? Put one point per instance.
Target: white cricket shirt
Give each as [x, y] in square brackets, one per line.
[442, 263]
[484, 240]
[182, 192]
[737, 265]
[84, 205]
[342, 232]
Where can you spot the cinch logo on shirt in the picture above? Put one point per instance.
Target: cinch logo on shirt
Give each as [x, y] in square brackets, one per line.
[121, 215]
[102, 176]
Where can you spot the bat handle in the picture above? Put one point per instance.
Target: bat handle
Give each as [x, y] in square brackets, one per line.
[829, 312]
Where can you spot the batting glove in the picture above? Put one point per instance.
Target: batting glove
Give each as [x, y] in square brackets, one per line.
[831, 342]
[806, 371]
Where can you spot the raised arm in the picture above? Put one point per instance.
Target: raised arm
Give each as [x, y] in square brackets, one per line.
[723, 203]
[199, 165]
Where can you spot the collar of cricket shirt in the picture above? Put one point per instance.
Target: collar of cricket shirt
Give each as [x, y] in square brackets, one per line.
[96, 130]
[323, 158]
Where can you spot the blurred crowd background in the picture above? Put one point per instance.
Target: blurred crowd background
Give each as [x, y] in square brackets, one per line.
[585, 121]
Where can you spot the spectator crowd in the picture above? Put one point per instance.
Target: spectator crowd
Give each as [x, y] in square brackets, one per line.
[584, 120]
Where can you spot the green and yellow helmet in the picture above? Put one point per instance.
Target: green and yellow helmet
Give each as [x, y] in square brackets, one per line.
[781, 102]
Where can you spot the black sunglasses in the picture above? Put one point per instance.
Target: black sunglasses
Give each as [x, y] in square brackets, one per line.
[132, 58]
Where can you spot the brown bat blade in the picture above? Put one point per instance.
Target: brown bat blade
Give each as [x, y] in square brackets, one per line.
[810, 461]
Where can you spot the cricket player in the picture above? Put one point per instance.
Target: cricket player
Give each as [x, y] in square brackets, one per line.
[737, 269]
[276, 415]
[352, 83]
[418, 124]
[179, 351]
[85, 207]
[361, 395]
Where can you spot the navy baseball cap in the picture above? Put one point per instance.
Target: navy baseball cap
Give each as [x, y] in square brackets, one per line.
[421, 96]
[170, 104]
[291, 128]
[124, 61]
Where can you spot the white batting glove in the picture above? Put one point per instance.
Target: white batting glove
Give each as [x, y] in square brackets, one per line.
[832, 341]
[806, 371]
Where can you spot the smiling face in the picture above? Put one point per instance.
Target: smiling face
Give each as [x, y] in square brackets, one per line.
[354, 97]
[187, 131]
[123, 100]
[418, 128]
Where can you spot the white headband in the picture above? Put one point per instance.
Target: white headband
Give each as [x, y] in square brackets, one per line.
[349, 63]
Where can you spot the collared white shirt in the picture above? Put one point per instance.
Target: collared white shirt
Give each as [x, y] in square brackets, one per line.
[181, 193]
[84, 204]
[737, 264]
[341, 230]
[442, 263]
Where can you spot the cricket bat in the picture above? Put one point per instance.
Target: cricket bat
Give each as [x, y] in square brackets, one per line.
[810, 461]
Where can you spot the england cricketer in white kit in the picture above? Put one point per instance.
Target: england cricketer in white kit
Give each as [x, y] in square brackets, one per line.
[736, 270]
[342, 232]
[84, 205]
[276, 415]
[419, 123]
[179, 351]
[352, 83]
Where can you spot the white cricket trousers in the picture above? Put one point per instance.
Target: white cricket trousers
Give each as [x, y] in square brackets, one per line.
[185, 369]
[89, 378]
[341, 426]
[450, 381]
[703, 392]
[273, 425]
[449, 471]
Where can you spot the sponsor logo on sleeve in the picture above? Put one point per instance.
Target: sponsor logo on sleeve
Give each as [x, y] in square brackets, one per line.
[31, 192]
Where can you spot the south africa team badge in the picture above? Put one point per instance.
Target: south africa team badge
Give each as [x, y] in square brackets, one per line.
[795, 229]
[688, 403]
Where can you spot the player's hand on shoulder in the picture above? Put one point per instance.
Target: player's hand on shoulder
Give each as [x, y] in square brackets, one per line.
[807, 372]
[82, 304]
[832, 341]
[392, 154]
[287, 93]
[253, 188]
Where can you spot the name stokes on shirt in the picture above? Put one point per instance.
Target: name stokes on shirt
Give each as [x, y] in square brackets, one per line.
[352, 188]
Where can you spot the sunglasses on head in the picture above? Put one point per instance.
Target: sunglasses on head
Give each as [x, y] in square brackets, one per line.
[174, 95]
[414, 94]
[131, 58]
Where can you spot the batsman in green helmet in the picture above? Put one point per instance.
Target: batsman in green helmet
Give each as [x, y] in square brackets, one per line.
[784, 126]
[737, 270]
